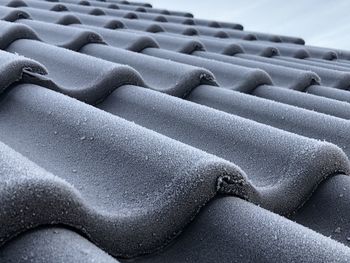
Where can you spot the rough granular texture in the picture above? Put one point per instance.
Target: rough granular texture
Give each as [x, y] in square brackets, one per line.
[131, 133]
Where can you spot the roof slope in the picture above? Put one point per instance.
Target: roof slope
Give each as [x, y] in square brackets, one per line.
[130, 132]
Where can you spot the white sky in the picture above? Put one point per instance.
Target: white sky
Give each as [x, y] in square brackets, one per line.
[319, 22]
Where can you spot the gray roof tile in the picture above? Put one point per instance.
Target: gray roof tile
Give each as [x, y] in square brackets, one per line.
[152, 135]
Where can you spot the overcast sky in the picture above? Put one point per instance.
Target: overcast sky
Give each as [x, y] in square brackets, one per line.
[319, 22]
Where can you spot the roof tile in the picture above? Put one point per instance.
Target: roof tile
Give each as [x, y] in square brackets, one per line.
[152, 135]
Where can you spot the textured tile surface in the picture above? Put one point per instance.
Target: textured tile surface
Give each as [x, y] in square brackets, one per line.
[131, 132]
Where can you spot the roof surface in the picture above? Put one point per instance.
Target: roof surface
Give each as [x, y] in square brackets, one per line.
[134, 133]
